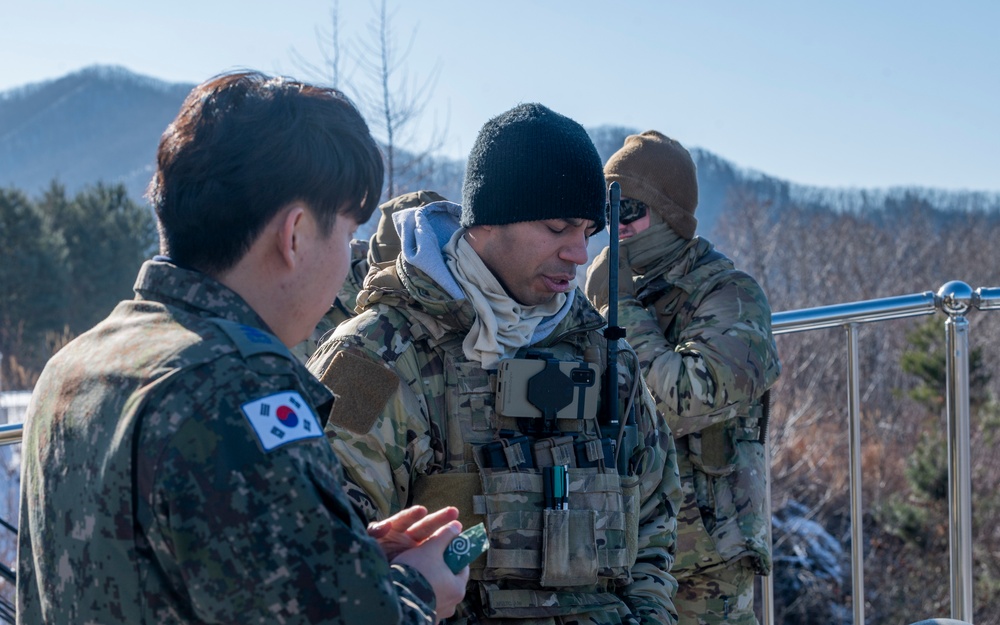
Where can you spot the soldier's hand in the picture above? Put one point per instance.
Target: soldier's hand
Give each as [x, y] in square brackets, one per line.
[597, 281]
[408, 528]
[428, 559]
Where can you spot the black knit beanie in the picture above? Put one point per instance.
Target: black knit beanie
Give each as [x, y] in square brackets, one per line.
[529, 164]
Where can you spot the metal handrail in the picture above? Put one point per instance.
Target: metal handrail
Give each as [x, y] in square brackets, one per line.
[868, 311]
[954, 299]
[11, 433]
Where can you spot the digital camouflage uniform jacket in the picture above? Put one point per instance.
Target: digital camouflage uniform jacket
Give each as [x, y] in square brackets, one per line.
[174, 471]
[435, 406]
[702, 331]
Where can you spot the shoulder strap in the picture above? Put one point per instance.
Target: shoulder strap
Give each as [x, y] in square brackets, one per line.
[252, 341]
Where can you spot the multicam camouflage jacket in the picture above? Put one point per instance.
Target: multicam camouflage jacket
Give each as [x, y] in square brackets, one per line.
[702, 330]
[414, 435]
[175, 471]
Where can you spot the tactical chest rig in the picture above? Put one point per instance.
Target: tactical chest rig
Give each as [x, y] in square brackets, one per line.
[526, 456]
[526, 453]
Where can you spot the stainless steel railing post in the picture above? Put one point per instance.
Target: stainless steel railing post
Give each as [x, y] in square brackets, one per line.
[955, 299]
[854, 426]
[849, 316]
[767, 581]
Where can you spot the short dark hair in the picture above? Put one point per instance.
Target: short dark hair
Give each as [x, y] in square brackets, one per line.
[245, 145]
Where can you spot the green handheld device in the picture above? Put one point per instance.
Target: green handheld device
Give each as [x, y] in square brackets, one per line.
[466, 547]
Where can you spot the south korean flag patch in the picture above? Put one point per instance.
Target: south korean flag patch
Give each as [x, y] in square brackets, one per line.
[281, 418]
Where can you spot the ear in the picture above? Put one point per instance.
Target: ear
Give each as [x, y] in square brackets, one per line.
[478, 237]
[289, 236]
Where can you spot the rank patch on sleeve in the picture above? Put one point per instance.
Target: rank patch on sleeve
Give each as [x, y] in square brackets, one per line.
[281, 418]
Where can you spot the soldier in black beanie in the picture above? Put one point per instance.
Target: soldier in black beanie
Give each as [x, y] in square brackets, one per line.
[486, 293]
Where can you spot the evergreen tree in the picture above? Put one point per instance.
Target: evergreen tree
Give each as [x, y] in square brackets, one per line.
[64, 264]
[31, 282]
[106, 237]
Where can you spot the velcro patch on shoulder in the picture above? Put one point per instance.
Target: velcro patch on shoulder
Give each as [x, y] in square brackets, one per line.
[362, 387]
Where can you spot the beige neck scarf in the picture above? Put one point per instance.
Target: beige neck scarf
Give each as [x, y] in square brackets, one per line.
[654, 251]
[502, 326]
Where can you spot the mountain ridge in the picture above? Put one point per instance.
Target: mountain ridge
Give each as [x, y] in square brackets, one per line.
[100, 123]
[103, 123]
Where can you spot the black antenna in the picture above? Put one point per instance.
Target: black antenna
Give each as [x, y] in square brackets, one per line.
[613, 332]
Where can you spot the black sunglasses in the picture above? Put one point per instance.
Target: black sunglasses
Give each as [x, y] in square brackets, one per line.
[630, 210]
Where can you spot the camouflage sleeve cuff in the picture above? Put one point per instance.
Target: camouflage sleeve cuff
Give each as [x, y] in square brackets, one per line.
[416, 595]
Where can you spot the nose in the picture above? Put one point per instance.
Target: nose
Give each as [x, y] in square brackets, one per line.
[623, 231]
[575, 250]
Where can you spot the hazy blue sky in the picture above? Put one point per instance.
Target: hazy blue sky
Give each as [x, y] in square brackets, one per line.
[840, 93]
